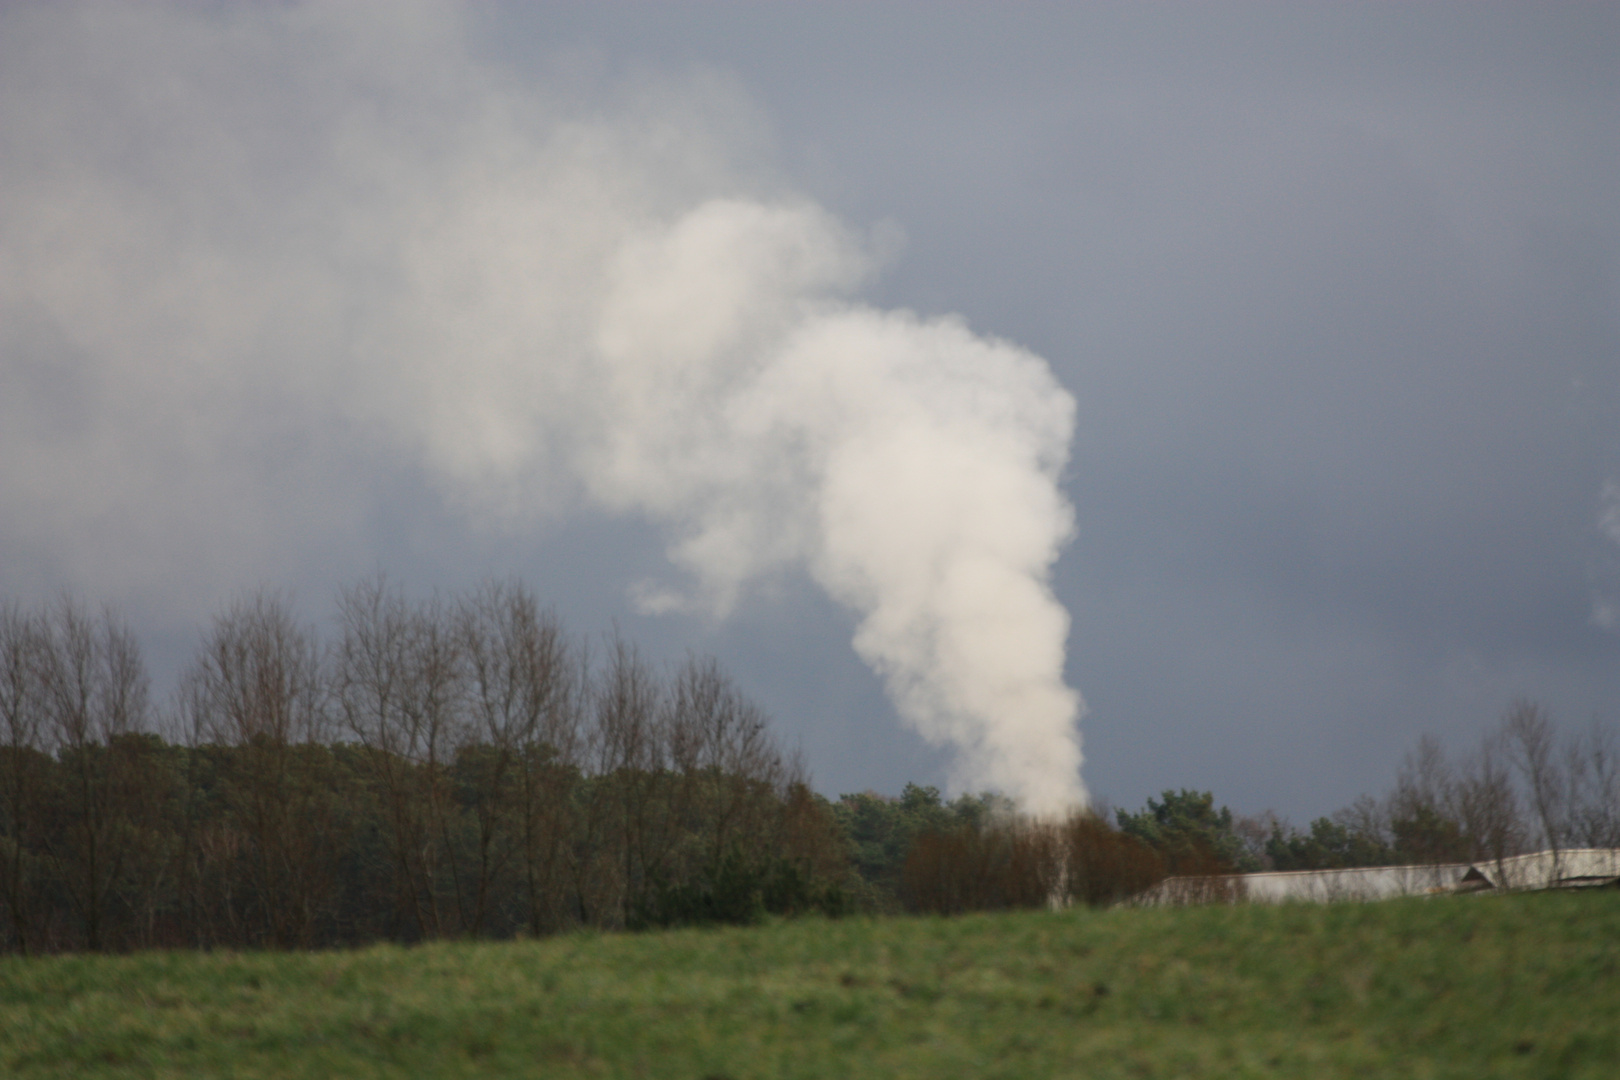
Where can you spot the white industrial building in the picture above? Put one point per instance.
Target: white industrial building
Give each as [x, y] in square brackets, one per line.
[1563, 869]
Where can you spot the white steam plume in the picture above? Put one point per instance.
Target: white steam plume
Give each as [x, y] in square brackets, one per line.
[333, 233]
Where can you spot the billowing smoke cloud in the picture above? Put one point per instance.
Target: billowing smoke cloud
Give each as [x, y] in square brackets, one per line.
[248, 258]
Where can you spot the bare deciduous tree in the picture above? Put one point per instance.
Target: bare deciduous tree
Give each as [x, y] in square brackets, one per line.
[398, 684]
[94, 689]
[730, 765]
[1593, 769]
[518, 673]
[1486, 804]
[24, 766]
[1367, 818]
[1531, 744]
[631, 753]
[257, 688]
[1421, 817]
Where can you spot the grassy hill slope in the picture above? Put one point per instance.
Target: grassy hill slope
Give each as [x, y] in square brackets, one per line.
[1500, 986]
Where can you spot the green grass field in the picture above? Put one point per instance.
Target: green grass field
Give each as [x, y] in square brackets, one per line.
[1475, 986]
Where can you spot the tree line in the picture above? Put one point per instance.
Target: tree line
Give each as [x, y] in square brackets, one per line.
[439, 768]
[464, 767]
[922, 854]
[457, 767]
[1525, 787]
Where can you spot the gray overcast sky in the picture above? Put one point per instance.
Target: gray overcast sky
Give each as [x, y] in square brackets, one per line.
[1335, 288]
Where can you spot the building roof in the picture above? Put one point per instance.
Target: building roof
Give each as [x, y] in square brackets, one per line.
[1567, 868]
